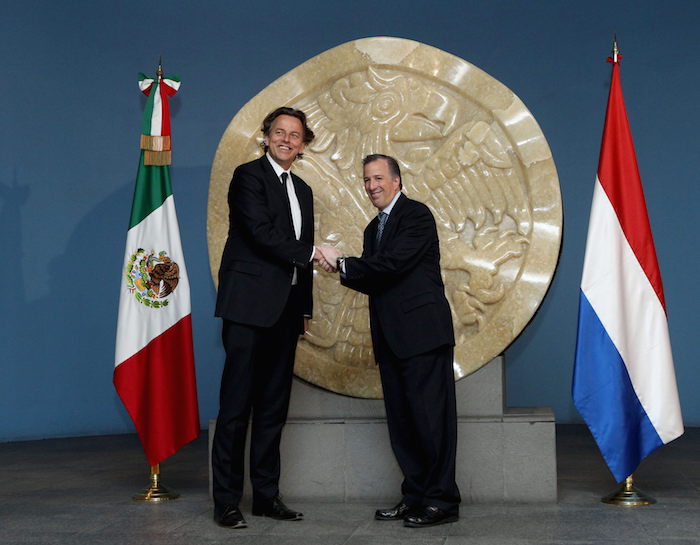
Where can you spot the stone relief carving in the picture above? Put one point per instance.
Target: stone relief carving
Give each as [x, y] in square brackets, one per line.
[467, 147]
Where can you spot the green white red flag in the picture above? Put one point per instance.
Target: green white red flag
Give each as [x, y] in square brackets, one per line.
[154, 357]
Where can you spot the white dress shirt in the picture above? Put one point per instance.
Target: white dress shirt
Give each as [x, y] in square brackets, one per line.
[293, 205]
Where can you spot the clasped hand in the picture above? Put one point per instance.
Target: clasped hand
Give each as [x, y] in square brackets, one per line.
[327, 256]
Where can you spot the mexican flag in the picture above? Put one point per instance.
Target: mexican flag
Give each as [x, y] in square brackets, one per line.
[154, 358]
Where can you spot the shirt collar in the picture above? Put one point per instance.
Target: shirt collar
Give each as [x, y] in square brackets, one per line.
[278, 169]
[388, 209]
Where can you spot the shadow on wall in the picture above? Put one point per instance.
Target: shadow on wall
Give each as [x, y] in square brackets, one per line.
[60, 355]
[13, 197]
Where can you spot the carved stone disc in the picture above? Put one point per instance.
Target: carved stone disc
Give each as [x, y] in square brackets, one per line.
[468, 148]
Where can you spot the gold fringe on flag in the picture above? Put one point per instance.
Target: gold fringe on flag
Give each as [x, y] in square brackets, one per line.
[155, 143]
[157, 157]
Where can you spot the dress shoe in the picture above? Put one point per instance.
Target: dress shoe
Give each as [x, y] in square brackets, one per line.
[398, 512]
[229, 516]
[428, 515]
[275, 509]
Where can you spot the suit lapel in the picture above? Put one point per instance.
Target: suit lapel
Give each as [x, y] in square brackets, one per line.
[371, 236]
[391, 222]
[306, 205]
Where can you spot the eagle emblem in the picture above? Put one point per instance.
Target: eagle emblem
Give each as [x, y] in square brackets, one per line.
[468, 148]
[454, 157]
[152, 278]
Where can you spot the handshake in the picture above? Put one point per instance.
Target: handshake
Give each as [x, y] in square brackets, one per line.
[327, 257]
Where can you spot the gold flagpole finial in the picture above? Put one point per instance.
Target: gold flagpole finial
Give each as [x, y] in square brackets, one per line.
[159, 70]
[616, 50]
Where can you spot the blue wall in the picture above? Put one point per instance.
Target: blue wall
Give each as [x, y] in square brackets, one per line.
[71, 113]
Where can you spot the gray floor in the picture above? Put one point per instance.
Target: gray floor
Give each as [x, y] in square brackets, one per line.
[78, 490]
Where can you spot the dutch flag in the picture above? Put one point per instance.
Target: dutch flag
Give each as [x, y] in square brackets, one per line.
[624, 383]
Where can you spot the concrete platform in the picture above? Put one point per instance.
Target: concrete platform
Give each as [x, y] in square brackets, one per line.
[336, 448]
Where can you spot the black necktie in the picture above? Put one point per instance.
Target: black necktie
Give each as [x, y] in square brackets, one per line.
[294, 208]
[284, 176]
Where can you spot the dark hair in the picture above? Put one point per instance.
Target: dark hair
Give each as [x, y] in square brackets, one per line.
[394, 169]
[285, 110]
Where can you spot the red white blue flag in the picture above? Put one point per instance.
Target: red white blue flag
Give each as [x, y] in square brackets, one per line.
[624, 383]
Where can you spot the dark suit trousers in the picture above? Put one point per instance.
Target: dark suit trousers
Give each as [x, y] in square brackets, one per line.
[257, 379]
[419, 396]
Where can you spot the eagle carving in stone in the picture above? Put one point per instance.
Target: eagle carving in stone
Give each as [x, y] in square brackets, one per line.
[454, 157]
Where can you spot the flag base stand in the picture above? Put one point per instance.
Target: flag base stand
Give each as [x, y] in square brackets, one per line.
[156, 492]
[628, 495]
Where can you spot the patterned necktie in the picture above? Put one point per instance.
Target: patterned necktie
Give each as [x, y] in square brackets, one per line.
[380, 228]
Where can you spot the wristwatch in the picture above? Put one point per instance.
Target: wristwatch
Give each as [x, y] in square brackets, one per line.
[339, 263]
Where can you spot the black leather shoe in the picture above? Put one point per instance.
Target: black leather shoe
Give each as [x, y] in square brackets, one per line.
[229, 516]
[428, 515]
[398, 512]
[275, 509]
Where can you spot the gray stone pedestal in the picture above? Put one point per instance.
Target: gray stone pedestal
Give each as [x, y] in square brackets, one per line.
[336, 448]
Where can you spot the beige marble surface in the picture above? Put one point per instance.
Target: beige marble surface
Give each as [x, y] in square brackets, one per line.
[468, 148]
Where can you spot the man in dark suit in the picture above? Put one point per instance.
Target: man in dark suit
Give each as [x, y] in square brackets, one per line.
[413, 343]
[265, 301]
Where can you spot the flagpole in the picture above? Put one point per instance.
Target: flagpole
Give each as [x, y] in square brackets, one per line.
[156, 491]
[628, 496]
[622, 296]
[167, 421]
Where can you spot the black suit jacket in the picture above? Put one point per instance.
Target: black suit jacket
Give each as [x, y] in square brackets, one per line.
[261, 251]
[402, 278]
